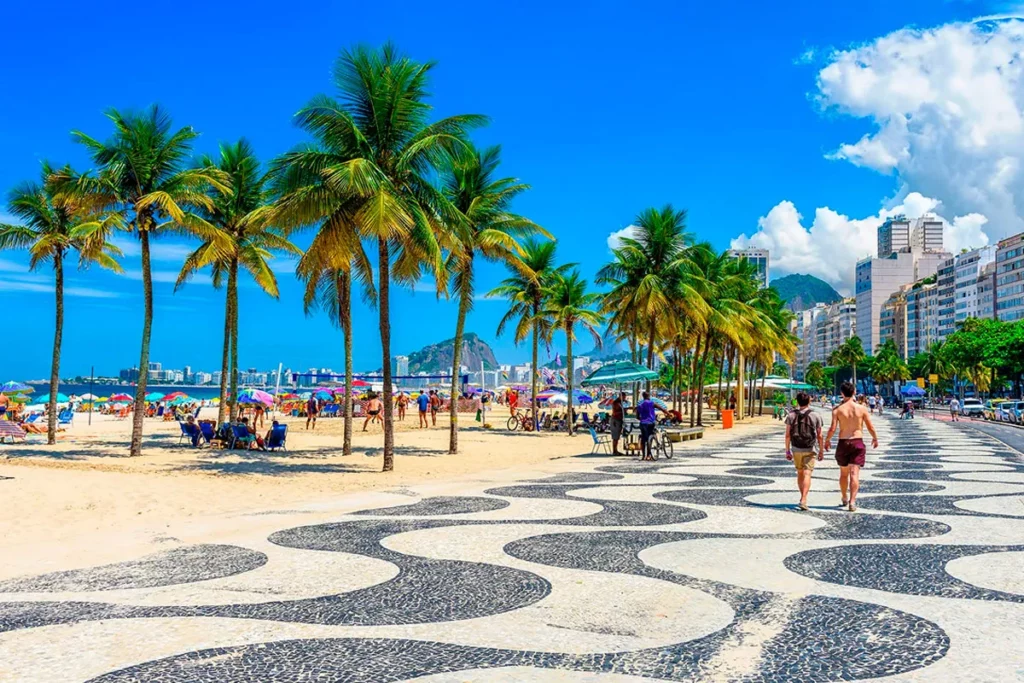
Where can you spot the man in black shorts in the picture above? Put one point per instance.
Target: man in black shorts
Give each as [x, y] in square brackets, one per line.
[851, 452]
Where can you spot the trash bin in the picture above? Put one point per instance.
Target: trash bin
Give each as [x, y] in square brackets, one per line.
[727, 419]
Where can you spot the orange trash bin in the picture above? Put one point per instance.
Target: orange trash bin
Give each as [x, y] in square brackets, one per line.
[727, 419]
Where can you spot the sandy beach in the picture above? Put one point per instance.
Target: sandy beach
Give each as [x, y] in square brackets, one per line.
[84, 501]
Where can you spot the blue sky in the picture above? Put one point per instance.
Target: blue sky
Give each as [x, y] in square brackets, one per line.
[603, 108]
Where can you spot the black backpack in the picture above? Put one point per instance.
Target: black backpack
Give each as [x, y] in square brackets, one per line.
[803, 434]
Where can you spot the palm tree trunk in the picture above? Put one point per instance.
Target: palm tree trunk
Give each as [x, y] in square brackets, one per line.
[58, 335]
[534, 372]
[568, 375]
[721, 371]
[760, 407]
[460, 324]
[384, 286]
[854, 366]
[650, 353]
[728, 376]
[233, 293]
[703, 374]
[693, 376]
[225, 361]
[345, 321]
[139, 412]
[753, 384]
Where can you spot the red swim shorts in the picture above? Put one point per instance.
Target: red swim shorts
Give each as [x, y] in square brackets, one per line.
[851, 452]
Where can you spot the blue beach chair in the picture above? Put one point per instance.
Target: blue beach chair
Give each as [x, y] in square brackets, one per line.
[278, 437]
[241, 436]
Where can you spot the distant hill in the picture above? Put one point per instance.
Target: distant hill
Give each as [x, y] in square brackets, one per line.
[803, 291]
[437, 358]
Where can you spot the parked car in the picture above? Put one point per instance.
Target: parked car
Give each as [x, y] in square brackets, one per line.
[1017, 412]
[990, 410]
[972, 407]
[1005, 411]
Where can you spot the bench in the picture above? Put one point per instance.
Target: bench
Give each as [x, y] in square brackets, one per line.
[677, 435]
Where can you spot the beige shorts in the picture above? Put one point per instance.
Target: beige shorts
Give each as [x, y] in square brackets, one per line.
[804, 460]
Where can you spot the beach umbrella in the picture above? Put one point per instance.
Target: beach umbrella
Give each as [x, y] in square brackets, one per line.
[322, 395]
[45, 398]
[305, 395]
[287, 396]
[12, 387]
[155, 396]
[913, 391]
[174, 394]
[102, 400]
[660, 403]
[89, 397]
[181, 398]
[11, 429]
[121, 397]
[360, 383]
[255, 396]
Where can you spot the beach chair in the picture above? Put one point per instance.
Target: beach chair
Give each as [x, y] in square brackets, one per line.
[66, 417]
[209, 435]
[241, 435]
[278, 437]
[187, 432]
[586, 420]
[34, 417]
[602, 442]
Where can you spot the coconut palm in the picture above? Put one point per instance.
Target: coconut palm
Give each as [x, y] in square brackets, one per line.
[241, 220]
[144, 184]
[485, 227]
[375, 148]
[848, 354]
[54, 226]
[649, 275]
[815, 374]
[568, 305]
[525, 290]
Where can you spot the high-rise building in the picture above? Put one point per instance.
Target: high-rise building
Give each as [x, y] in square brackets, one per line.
[922, 324]
[900, 233]
[758, 257]
[129, 375]
[987, 291]
[1010, 278]
[968, 267]
[822, 329]
[945, 297]
[187, 373]
[892, 321]
[401, 365]
[878, 278]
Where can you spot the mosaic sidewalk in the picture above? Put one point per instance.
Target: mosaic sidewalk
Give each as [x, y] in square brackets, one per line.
[698, 568]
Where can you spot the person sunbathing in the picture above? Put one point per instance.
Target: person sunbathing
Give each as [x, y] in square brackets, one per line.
[36, 428]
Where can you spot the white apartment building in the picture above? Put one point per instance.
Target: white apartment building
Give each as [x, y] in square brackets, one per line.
[967, 267]
[821, 330]
[900, 233]
[1010, 278]
[758, 257]
[878, 278]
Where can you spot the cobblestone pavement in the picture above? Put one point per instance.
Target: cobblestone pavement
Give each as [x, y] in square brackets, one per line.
[699, 568]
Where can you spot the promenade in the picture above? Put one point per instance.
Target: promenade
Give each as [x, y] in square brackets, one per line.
[577, 569]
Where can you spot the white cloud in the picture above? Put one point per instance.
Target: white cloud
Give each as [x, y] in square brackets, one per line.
[832, 244]
[615, 239]
[37, 284]
[156, 275]
[159, 250]
[946, 105]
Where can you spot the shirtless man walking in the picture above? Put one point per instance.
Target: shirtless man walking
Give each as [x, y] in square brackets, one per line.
[850, 417]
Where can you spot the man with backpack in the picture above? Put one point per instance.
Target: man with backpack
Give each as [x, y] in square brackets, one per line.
[803, 434]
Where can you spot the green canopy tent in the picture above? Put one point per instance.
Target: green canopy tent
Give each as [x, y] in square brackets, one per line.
[619, 372]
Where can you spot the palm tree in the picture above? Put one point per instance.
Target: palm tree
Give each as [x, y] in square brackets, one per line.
[569, 306]
[54, 226]
[376, 148]
[241, 220]
[649, 274]
[330, 289]
[815, 374]
[484, 227]
[848, 354]
[143, 183]
[525, 289]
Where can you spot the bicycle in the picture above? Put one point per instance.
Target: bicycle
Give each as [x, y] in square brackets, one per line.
[661, 445]
[520, 421]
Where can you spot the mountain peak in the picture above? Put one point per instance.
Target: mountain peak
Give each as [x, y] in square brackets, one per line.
[801, 292]
[437, 358]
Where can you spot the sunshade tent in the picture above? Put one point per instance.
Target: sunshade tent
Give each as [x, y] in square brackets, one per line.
[619, 372]
[913, 391]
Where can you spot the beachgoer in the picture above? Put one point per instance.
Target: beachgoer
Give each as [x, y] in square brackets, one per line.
[374, 407]
[257, 416]
[312, 410]
[4, 402]
[803, 434]
[871, 403]
[513, 402]
[645, 413]
[423, 402]
[850, 417]
[403, 403]
[435, 405]
[618, 415]
[732, 403]
[954, 409]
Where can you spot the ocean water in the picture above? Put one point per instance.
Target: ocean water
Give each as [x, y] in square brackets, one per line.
[108, 389]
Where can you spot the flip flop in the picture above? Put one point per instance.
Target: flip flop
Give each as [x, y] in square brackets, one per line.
[852, 508]
[845, 503]
[803, 506]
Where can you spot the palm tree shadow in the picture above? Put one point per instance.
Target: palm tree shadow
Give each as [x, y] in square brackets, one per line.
[270, 467]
